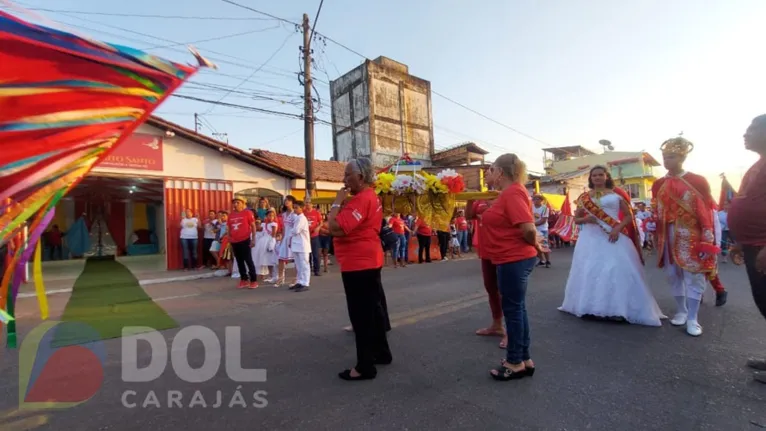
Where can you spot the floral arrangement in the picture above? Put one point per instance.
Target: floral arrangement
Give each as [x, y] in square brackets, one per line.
[446, 181]
[404, 184]
[434, 184]
[383, 182]
[452, 180]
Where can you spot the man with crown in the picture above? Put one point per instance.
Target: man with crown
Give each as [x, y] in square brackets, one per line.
[685, 232]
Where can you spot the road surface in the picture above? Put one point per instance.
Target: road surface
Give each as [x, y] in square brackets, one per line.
[591, 375]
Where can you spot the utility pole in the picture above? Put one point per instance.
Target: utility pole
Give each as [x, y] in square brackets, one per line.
[308, 134]
[196, 123]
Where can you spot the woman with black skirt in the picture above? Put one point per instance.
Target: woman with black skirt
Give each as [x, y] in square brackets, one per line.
[355, 228]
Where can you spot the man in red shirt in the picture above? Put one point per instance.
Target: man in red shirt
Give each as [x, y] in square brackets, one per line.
[315, 223]
[242, 236]
[462, 230]
[747, 224]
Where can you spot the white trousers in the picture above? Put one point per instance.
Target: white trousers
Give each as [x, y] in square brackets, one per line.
[682, 283]
[303, 268]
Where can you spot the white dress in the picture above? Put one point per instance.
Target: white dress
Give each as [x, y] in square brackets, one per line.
[264, 258]
[283, 250]
[607, 279]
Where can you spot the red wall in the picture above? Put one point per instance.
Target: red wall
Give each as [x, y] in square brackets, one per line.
[201, 197]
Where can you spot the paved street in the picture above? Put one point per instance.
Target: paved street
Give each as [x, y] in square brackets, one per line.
[591, 375]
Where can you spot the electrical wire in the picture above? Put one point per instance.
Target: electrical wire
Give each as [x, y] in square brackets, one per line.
[227, 36]
[274, 54]
[134, 15]
[513, 129]
[260, 12]
[233, 105]
[316, 18]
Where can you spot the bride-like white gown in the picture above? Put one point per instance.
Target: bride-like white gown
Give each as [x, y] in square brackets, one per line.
[607, 279]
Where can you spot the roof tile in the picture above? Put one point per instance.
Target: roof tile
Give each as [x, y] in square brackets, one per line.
[324, 170]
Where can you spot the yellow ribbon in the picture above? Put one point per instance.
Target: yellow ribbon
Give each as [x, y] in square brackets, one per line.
[37, 274]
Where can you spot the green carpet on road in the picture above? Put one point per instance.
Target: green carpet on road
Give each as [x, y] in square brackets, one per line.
[107, 297]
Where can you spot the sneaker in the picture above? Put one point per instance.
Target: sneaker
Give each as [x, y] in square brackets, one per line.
[295, 286]
[253, 285]
[301, 288]
[547, 264]
[243, 284]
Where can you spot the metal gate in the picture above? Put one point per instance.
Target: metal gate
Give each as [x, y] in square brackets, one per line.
[198, 196]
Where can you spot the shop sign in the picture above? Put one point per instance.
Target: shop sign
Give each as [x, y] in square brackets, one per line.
[138, 151]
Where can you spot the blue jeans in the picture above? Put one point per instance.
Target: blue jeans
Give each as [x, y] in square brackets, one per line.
[462, 237]
[400, 251]
[406, 248]
[512, 281]
[315, 251]
[726, 242]
[189, 247]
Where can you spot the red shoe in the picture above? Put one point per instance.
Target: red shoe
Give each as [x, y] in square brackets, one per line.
[243, 284]
[253, 285]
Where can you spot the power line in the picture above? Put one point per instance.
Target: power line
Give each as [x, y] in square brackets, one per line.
[254, 72]
[260, 12]
[489, 118]
[176, 43]
[233, 105]
[314, 25]
[227, 36]
[134, 15]
[526, 135]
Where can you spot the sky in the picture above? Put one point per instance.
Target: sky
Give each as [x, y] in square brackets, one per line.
[635, 72]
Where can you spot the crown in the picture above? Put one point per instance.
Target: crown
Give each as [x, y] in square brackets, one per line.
[679, 145]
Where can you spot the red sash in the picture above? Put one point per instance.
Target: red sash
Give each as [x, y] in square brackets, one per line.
[630, 231]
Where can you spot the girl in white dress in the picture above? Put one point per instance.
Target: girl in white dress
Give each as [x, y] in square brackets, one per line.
[284, 254]
[265, 248]
[607, 277]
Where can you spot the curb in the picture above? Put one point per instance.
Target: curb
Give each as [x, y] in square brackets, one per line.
[140, 283]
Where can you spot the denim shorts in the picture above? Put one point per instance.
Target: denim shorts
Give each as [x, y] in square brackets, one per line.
[324, 242]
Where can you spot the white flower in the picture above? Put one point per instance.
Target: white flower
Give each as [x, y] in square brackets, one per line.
[402, 184]
[447, 173]
[418, 184]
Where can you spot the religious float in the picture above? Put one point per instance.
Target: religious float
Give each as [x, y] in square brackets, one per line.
[405, 188]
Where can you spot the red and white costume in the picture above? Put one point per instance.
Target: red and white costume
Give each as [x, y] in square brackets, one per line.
[685, 235]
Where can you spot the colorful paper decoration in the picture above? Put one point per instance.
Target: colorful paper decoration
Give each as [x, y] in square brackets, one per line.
[65, 103]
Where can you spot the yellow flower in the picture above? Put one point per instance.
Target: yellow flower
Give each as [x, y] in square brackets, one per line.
[434, 184]
[383, 182]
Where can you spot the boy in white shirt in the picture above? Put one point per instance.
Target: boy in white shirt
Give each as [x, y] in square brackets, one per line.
[300, 244]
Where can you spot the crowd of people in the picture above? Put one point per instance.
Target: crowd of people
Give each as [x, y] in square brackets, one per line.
[511, 236]
[685, 227]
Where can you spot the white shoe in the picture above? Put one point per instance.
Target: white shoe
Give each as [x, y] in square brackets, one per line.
[693, 328]
[679, 319]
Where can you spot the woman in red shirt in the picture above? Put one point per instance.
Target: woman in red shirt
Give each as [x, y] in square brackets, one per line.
[424, 233]
[355, 225]
[489, 274]
[509, 241]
